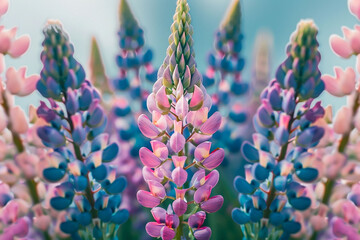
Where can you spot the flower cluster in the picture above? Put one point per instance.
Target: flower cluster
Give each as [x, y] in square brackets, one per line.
[179, 106]
[88, 187]
[21, 212]
[273, 186]
[337, 215]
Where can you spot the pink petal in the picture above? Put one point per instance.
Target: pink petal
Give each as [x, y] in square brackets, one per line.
[180, 193]
[13, 81]
[159, 214]
[19, 46]
[342, 121]
[212, 124]
[147, 199]
[154, 229]
[332, 85]
[347, 81]
[149, 174]
[203, 233]
[171, 220]
[160, 149]
[215, 159]
[151, 103]
[197, 99]
[181, 108]
[213, 204]
[157, 189]
[167, 233]
[4, 5]
[5, 41]
[148, 158]
[202, 194]
[355, 41]
[197, 118]
[159, 120]
[147, 128]
[162, 99]
[197, 220]
[354, 7]
[202, 151]
[179, 161]
[18, 120]
[29, 85]
[179, 206]
[340, 46]
[212, 178]
[177, 142]
[179, 176]
[198, 177]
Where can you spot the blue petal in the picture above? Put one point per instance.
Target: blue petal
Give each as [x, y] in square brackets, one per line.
[291, 227]
[120, 216]
[117, 186]
[99, 173]
[53, 174]
[110, 152]
[239, 216]
[105, 214]
[249, 152]
[60, 203]
[69, 227]
[307, 174]
[242, 186]
[300, 203]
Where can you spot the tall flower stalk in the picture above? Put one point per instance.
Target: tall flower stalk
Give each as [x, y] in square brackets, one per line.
[179, 130]
[88, 186]
[273, 187]
[338, 214]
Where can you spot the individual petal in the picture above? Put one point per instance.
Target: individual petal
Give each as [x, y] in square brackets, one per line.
[167, 233]
[197, 99]
[19, 46]
[213, 204]
[147, 128]
[214, 159]
[197, 118]
[179, 161]
[179, 206]
[147, 199]
[202, 151]
[342, 121]
[162, 100]
[154, 229]
[159, 214]
[18, 120]
[354, 7]
[157, 189]
[202, 194]
[340, 46]
[179, 176]
[4, 5]
[177, 142]
[148, 158]
[203, 233]
[212, 124]
[197, 219]
[212, 178]
[181, 108]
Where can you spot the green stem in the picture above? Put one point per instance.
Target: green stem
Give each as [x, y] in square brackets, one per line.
[179, 230]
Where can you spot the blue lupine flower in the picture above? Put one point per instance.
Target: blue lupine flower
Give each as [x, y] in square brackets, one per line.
[80, 123]
[290, 131]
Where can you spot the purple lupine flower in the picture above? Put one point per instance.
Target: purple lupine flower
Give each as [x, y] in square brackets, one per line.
[180, 106]
[77, 119]
[273, 186]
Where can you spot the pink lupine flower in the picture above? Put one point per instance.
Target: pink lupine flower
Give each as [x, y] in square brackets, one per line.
[343, 120]
[18, 84]
[347, 46]
[342, 84]
[18, 120]
[341, 229]
[10, 45]
[165, 224]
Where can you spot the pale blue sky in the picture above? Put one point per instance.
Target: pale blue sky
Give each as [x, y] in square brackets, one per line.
[84, 18]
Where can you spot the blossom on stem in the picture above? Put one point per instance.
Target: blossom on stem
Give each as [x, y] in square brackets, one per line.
[273, 185]
[89, 185]
[180, 107]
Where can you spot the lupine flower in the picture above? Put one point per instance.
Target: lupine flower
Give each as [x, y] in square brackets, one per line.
[339, 189]
[179, 105]
[273, 186]
[88, 186]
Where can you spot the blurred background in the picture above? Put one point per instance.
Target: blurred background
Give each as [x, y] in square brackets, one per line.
[83, 19]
